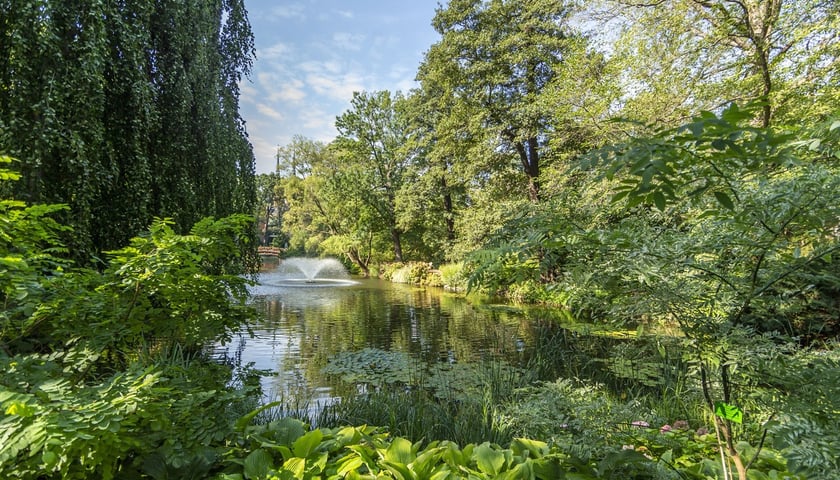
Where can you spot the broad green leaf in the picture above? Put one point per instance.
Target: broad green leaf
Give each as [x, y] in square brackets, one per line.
[287, 430]
[349, 464]
[729, 412]
[489, 460]
[295, 465]
[659, 200]
[400, 471]
[308, 443]
[399, 451]
[258, 463]
[529, 448]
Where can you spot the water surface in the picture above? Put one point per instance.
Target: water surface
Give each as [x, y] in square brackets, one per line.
[302, 326]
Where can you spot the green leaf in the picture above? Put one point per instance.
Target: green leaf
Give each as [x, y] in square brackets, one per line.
[729, 412]
[399, 451]
[489, 461]
[659, 200]
[296, 465]
[305, 445]
[258, 463]
[724, 200]
[20, 409]
[529, 448]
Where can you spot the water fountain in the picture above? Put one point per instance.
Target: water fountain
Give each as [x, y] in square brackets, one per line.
[306, 272]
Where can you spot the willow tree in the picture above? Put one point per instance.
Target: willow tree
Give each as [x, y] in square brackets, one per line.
[125, 111]
[498, 58]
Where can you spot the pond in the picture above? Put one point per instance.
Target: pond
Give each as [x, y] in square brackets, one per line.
[319, 342]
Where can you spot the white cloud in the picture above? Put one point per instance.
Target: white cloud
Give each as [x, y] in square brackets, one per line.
[318, 123]
[339, 87]
[293, 10]
[269, 112]
[291, 92]
[348, 41]
[277, 51]
[344, 13]
[248, 93]
[313, 66]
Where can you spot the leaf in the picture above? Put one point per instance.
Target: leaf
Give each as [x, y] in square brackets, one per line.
[489, 460]
[729, 412]
[659, 200]
[399, 451]
[308, 443]
[258, 463]
[529, 448]
[296, 465]
[20, 409]
[724, 200]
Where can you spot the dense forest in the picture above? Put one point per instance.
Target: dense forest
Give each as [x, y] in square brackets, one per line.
[669, 165]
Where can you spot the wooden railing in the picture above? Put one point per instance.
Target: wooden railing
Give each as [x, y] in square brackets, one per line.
[269, 251]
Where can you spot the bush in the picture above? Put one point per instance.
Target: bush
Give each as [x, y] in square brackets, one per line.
[453, 277]
[412, 273]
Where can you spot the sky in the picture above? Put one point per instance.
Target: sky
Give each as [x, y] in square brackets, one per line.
[313, 54]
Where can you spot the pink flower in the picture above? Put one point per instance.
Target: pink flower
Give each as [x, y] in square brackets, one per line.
[640, 423]
[681, 425]
[702, 431]
[665, 428]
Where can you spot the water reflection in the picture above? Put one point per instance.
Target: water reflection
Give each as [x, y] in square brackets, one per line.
[301, 328]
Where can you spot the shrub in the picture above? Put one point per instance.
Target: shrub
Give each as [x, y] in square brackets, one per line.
[453, 277]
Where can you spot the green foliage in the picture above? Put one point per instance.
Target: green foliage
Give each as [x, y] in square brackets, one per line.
[452, 277]
[126, 111]
[285, 449]
[412, 273]
[89, 389]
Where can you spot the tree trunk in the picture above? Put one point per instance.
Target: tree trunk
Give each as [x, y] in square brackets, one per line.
[449, 214]
[267, 221]
[354, 257]
[530, 159]
[395, 236]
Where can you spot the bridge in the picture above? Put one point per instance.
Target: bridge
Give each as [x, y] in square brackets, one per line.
[269, 251]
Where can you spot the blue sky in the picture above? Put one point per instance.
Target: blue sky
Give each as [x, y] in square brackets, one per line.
[313, 54]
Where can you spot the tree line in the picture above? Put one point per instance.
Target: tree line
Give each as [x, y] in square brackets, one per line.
[514, 93]
[126, 111]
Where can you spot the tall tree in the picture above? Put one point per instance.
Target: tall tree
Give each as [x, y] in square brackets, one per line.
[499, 57]
[371, 134]
[434, 192]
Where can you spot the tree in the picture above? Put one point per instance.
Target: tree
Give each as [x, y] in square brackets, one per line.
[498, 58]
[125, 111]
[371, 134]
[747, 259]
[269, 206]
